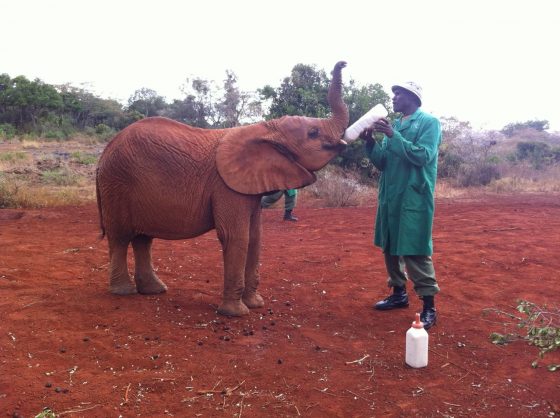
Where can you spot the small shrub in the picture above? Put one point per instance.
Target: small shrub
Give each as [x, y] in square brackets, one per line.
[104, 132]
[338, 188]
[83, 158]
[60, 177]
[8, 192]
[55, 134]
[7, 131]
[477, 175]
[46, 413]
[542, 327]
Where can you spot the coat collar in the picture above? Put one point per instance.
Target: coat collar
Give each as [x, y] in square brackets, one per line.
[403, 124]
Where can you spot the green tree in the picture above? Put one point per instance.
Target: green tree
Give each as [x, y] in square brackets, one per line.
[237, 107]
[360, 99]
[513, 128]
[147, 102]
[24, 102]
[84, 109]
[188, 111]
[207, 105]
[303, 93]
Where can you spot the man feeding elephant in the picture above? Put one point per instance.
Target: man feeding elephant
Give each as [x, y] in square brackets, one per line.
[407, 158]
[163, 179]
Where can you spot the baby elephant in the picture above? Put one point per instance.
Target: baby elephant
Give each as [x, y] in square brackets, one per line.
[163, 179]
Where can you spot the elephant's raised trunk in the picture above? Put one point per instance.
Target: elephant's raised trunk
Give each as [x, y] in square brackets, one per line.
[340, 116]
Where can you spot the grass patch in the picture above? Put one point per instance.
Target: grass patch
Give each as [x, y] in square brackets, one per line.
[13, 156]
[60, 177]
[16, 194]
[30, 144]
[83, 158]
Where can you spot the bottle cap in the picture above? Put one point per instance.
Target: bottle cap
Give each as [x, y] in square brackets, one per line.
[417, 323]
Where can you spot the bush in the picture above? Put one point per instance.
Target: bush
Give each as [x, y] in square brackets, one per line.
[449, 164]
[7, 193]
[539, 154]
[477, 175]
[7, 131]
[339, 188]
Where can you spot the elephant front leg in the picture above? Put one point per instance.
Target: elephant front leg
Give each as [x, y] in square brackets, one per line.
[147, 281]
[120, 282]
[235, 254]
[251, 296]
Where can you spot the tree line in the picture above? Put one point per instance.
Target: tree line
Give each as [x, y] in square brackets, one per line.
[35, 108]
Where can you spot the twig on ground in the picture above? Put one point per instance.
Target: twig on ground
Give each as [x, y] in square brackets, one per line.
[225, 392]
[327, 393]
[456, 365]
[462, 377]
[240, 407]
[126, 393]
[307, 408]
[72, 411]
[359, 360]
[358, 396]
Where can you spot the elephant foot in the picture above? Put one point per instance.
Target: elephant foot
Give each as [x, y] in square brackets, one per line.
[233, 308]
[150, 286]
[123, 289]
[253, 300]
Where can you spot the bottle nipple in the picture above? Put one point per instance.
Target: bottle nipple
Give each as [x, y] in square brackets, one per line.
[417, 323]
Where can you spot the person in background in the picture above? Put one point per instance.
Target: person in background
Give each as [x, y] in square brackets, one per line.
[290, 198]
[407, 157]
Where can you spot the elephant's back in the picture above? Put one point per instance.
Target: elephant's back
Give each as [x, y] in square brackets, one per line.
[161, 145]
[155, 169]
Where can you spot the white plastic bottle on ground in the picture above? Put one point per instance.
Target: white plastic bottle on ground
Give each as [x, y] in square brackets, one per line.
[366, 121]
[417, 344]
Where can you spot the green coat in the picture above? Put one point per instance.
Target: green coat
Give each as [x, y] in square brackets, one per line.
[408, 165]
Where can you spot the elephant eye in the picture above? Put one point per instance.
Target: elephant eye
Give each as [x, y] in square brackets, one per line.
[313, 133]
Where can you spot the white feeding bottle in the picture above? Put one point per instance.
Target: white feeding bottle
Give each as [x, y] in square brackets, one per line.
[417, 344]
[367, 120]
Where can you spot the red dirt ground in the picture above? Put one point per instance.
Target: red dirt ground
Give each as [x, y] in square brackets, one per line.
[317, 349]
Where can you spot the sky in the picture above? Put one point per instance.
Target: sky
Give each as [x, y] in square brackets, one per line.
[486, 62]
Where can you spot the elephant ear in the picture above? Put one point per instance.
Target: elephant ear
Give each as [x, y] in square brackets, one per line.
[250, 162]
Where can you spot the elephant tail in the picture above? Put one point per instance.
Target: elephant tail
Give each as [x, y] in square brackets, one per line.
[98, 195]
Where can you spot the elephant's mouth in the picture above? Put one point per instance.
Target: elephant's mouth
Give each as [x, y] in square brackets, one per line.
[341, 146]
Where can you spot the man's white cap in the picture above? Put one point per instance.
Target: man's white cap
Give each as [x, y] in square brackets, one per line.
[410, 86]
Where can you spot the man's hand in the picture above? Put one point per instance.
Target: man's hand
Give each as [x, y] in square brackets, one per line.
[383, 126]
[367, 135]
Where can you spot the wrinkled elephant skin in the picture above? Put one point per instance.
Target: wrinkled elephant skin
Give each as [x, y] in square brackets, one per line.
[163, 179]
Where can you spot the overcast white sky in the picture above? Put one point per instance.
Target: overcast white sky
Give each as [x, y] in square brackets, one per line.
[487, 62]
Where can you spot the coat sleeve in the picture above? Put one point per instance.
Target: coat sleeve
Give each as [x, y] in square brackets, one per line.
[377, 153]
[424, 150]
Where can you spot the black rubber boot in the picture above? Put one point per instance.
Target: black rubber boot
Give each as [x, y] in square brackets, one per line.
[399, 299]
[429, 313]
[289, 217]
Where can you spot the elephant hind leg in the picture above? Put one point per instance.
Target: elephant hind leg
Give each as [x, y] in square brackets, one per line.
[120, 282]
[147, 282]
